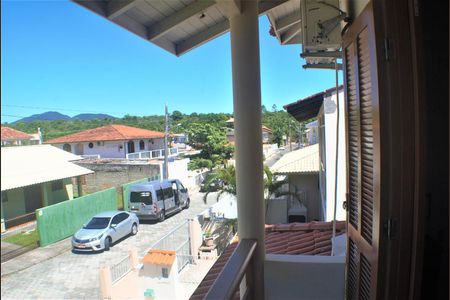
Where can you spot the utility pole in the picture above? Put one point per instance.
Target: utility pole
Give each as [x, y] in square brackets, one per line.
[166, 148]
[289, 135]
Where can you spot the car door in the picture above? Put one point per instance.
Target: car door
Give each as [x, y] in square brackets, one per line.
[114, 233]
[124, 228]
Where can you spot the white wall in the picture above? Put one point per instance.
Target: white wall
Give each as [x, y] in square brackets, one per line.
[304, 277]
[330, 115]
[307, 186]
[277, 211]
[178, 169]
[114, 149]
[105, 149]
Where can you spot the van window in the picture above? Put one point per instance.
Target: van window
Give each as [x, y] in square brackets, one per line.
[138, 197]
[159, 194]
[168, 193]
[180, 186]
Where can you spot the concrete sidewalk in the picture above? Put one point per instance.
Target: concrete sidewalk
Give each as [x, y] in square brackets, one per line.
[34, 257]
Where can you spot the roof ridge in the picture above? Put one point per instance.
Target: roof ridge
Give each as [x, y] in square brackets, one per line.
[120, 133]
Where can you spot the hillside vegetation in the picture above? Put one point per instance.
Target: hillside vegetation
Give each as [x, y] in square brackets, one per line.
[279, 121]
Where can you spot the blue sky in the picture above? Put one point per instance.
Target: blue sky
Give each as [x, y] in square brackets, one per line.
[57, 55]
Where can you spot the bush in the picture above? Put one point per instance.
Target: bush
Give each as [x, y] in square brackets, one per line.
[200, 163]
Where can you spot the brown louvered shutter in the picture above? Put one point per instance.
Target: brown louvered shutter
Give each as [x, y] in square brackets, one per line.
[360, 80]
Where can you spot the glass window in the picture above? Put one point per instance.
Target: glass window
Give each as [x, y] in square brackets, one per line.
[144, 197]
[123, 216]
[165, 273]
[159, 194]
[180, 186]
[141, 145]
[168, 193]
[98, 223]
[116, 219]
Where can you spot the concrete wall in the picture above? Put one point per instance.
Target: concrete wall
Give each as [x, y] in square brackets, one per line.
[309, 184]
[178, 169]
[304, 277]
[277, 211]
[115, 175]
[15, 206]
[329, 112]
[52, 197]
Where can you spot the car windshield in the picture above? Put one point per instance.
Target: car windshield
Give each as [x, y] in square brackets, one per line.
[138, 197]
[98, 223]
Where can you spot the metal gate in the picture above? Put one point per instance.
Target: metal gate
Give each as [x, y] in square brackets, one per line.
[177, 240]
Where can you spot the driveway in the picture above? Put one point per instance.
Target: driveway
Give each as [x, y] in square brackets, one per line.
[66, 275]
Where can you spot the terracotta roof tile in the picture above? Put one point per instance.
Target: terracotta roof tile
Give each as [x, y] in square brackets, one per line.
[108, 133]
[8, 133]
[160, 257]
[312, 238]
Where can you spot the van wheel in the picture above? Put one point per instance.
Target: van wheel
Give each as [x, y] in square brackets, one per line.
[188, 201]
[162, 216]
[107, 243]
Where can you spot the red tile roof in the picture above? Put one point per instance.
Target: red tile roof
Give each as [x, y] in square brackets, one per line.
[213, 273]
[160, 257]
[266, 129]
[12, 134]
[108, 133]
[312, 238]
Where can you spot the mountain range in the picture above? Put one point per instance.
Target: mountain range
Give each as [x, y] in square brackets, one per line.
[55, 116]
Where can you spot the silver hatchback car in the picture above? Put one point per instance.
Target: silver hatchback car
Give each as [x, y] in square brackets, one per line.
[104, 229]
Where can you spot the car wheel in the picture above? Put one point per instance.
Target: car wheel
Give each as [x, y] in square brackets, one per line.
[162, 216]
[108, 243]
[134, 229]
[187, 203]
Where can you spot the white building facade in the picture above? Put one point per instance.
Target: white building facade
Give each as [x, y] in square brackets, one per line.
[330, 153]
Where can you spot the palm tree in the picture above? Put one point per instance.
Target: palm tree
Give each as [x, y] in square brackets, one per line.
[226, 178]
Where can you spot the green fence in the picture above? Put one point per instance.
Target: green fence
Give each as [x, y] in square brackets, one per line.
[126, 189]
[61, 220]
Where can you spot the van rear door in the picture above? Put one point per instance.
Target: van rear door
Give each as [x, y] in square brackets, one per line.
[141, 201]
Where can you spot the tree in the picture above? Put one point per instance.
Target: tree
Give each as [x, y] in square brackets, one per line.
[212, 141]
[227, 177]
[177, 116]
[274, 108]
[263, 109]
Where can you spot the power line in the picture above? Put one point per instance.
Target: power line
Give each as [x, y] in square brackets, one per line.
[13, 116]
[56, 108]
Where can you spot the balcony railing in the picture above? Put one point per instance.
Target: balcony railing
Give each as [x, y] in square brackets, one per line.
[157, 153]
[91, 156]
[237, 274]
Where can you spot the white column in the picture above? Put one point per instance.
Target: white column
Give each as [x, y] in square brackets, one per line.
[247, 121]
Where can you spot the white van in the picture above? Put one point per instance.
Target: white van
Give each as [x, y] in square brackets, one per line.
[157, 199]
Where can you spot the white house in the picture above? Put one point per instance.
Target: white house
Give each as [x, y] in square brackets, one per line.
[13, 137]
[323, 106]
[266, 132]
[111, 141]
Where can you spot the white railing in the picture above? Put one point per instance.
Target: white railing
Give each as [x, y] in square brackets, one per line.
[91, 156]
[177, 240]
[157, 153]
[120, 269]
